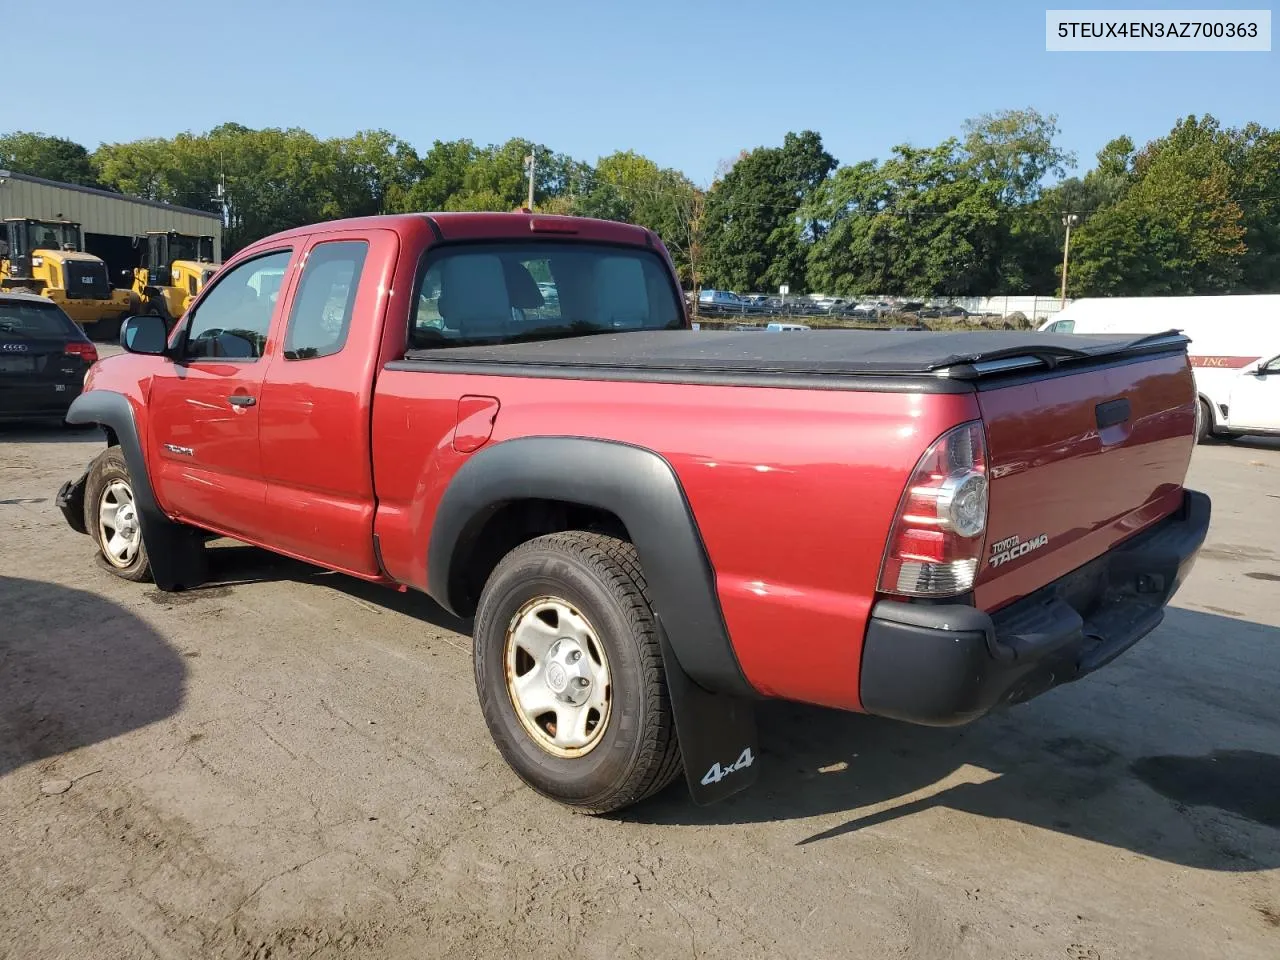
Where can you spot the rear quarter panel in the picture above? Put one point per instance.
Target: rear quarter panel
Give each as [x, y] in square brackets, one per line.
[793, 492]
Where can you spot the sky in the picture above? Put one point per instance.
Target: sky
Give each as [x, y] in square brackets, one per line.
[688, 83]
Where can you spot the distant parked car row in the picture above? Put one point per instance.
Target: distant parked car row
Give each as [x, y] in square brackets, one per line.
[726, 302]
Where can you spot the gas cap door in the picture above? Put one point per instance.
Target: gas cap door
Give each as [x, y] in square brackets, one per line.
[476, 417]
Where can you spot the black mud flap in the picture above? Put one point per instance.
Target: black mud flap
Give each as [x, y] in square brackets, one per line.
[70, 501]
[717, 732]
[178, 560]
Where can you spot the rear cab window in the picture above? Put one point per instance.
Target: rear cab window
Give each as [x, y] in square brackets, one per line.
[514, 291]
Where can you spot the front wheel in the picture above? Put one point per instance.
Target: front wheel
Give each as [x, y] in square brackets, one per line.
[111, 517]
[568, 668]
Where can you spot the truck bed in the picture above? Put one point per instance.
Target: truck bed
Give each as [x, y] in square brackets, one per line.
[817, 354]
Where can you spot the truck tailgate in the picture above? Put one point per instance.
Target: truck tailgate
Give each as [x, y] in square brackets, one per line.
[1078, 462]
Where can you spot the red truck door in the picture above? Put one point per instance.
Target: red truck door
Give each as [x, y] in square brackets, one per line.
[316, 409]
[204, 407]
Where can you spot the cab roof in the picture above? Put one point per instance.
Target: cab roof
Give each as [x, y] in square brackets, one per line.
[480, 226]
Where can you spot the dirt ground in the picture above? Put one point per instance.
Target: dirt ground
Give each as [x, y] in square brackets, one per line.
[288, 763]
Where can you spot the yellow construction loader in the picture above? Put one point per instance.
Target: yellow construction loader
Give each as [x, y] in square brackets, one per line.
[47, 257]
[173, 268]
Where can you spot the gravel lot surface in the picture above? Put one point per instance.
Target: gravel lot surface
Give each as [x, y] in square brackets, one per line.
[288, 763]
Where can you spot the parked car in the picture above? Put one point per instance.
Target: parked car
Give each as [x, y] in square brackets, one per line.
[44, 356]
[581, 490]
[723, 300]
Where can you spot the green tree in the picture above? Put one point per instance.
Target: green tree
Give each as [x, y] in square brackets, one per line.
[377, 172]
[631, 188]
[53, 158]
[1031, 261]
[756, 237]
[921, 223]
[1176, 228]
[441, 176]
[1252, 154]
[1015, 149]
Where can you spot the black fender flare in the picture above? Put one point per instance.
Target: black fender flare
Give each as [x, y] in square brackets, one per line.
[635, 484]
[176, 551]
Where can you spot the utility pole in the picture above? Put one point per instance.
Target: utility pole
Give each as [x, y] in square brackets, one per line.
[1068, 221]
[531, 162]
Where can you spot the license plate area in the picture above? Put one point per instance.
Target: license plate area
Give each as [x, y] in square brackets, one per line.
[17, 364]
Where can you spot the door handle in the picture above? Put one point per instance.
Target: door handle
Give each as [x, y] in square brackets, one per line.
[241, 400]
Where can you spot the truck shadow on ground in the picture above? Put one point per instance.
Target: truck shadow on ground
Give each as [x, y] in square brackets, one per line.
[76, 669]
[1051, 764]
[1250, 442]
[232, 564]
[1033, 764]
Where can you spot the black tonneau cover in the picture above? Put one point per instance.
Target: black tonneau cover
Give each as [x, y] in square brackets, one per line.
[838, 353]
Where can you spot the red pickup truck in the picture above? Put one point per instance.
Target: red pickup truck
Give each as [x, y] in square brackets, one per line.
[651, 526]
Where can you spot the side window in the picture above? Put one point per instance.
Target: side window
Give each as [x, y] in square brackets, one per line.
[233, 320]
[326, 296]
[191, 285]
[1272, 365]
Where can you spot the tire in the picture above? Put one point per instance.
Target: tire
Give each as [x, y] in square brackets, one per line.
[109, 483]
[632, 751]
[1204, 421]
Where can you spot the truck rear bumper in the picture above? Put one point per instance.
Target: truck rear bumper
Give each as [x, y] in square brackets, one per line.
[948, 664]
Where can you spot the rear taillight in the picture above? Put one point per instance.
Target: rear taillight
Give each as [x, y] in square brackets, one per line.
[84, 350]
[935, 544]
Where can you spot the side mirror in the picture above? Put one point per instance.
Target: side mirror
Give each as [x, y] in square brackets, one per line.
[145, 334]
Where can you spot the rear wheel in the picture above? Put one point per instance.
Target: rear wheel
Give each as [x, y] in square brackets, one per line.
[568, 668]
[111, 517]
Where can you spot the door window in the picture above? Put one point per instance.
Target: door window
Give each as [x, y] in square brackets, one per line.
[233, 320]
[322, 307]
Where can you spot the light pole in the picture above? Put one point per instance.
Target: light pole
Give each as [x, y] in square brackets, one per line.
[1068, 221]
[531, 161]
